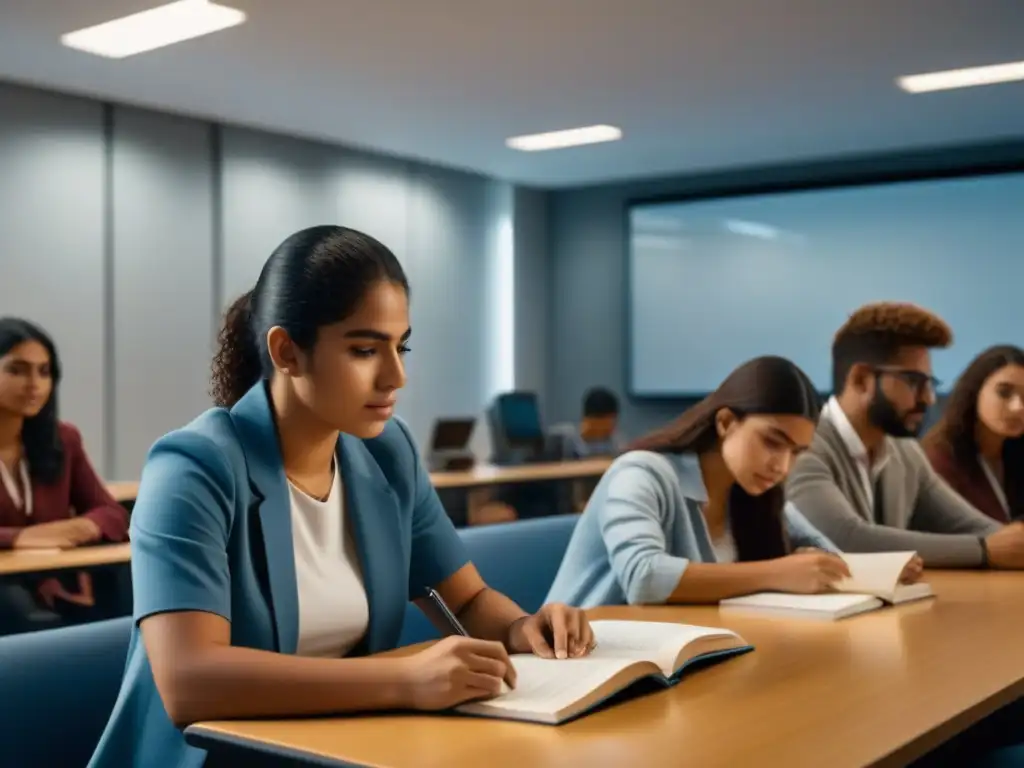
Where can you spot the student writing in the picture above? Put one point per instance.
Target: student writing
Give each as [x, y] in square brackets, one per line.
[693, 513]
[277, 539]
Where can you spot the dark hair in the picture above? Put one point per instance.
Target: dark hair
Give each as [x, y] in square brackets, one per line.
[765, 385]
[955, 429]
[314, 278]
[875, 333]
[600, 402]
[40, 436]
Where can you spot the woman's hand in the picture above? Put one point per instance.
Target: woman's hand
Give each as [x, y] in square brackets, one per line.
[808, 571]
[912, 570]
[455, 670]
[556, 631]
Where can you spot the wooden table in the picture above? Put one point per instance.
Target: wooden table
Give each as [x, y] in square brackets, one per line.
[122, 491]
[878, 689]
[19, 561]
[481, 475]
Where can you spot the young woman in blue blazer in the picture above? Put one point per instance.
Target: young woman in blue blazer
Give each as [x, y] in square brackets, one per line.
[277, 539]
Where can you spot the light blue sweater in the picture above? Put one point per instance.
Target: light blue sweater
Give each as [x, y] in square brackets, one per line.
[642, 526]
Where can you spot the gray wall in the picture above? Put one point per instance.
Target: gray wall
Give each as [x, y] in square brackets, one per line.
[587, 341]
[125, 233]
[52, 236]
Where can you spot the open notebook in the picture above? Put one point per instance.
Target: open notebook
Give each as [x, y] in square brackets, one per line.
[873, 583]
[555, 690]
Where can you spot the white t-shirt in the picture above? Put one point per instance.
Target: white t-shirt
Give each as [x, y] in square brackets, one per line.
[725, 547]
[333, 610]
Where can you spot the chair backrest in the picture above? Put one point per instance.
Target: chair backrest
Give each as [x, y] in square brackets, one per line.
[519, 559]
[57, 688]
[517, 435]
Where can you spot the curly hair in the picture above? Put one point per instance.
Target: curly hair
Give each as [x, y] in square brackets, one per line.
[875, 333]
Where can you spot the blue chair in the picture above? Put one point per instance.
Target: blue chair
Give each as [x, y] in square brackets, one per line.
[519, 559]
[57, 688]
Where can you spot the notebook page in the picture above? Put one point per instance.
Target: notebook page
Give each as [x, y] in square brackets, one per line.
[549, 685]
[655, 641]
[877, 573]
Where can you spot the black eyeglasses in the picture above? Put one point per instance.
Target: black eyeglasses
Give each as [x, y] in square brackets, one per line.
[917, 381]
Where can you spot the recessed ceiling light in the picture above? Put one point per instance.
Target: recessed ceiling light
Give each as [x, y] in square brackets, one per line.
[962, 78]
[574, 137]
[155, 28]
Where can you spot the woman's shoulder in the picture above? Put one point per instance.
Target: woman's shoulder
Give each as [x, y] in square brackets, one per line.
[69, 434]
[649, 467]
[209, 440]
[939, 453]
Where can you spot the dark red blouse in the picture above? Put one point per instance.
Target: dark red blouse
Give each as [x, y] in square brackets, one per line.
[77, 492]
[969, 482]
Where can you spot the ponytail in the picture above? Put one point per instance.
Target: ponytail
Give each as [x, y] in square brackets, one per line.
[236, 365]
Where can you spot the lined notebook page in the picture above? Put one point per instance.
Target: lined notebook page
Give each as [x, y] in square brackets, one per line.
[549, 685]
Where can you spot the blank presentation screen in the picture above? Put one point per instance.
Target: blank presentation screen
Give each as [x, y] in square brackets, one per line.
[713, 283]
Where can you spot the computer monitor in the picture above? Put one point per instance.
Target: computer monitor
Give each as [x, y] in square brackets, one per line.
[519, 415]
[449, 445]
[517, 436]
[452, 434]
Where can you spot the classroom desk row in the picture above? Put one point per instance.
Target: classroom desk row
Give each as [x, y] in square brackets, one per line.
[16, 562]
[479, 476]
[880, 689]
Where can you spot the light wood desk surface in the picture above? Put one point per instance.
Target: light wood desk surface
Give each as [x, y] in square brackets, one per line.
[879, 689]
[18, 561]
[481, 475]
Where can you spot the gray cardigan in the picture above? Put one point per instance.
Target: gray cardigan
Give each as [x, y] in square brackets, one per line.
[919, 510]
[641, 528]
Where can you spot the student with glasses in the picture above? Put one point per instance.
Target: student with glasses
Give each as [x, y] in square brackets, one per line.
[866, 483]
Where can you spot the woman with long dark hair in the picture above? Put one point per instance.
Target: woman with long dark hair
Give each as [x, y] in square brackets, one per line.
[977, 446]
[50, 496]
[277, 539]
[694, 512]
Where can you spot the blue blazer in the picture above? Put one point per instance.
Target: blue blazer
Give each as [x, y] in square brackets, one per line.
[211, 531]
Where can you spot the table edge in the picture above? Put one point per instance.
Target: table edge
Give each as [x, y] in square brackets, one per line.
[203, 737]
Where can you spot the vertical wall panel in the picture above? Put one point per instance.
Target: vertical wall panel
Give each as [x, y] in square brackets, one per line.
[162, 270]
[51, 239]
[272, 186]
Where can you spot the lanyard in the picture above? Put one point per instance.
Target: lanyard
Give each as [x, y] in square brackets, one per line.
[997, 488]
[12, 487]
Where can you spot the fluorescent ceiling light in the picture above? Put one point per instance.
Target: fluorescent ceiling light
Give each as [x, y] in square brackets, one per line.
[574, 137]
[155, 28]
[962, 78]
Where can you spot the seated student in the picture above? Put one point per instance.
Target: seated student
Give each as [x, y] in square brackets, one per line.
[276, 540]
[693, 513]
[977, 445]
[597, 434]
[865, 482]
[50, 497]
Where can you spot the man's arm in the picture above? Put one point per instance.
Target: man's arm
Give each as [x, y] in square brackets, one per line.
[813, 491]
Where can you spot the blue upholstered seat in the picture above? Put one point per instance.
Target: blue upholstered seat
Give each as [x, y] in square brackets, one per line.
[519, 559]
[57, 688]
